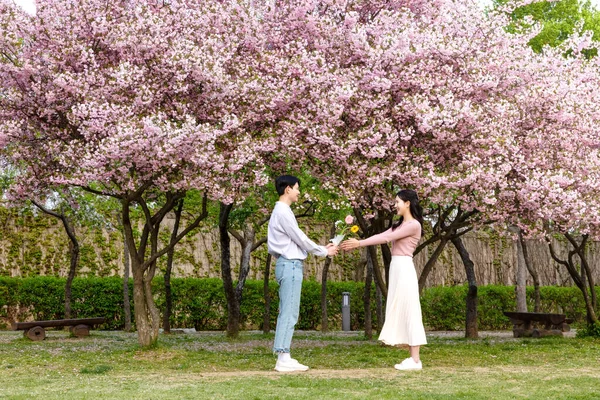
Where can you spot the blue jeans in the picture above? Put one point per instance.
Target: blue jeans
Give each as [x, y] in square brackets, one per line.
[289, 276]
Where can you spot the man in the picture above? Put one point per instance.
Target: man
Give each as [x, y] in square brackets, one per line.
[290, 246]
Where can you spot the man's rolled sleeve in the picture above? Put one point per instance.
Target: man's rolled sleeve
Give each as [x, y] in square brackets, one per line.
[295, 233]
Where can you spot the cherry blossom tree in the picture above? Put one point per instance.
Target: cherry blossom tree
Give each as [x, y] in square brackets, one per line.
[441, 98]
[136, 100]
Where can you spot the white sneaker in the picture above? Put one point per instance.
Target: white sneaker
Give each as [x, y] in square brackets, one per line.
[408, 365]
[290, 366]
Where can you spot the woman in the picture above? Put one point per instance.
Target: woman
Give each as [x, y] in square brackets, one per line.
[403, 320]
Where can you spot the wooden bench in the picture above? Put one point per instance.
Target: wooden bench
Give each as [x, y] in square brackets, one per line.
[553, 324]
[34, 330]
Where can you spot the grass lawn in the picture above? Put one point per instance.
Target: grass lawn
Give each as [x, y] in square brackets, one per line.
[110, 365]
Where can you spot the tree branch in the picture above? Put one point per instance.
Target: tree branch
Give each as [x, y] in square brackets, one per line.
[183, 233]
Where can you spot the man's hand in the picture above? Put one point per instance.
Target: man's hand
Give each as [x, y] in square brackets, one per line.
[332, 249]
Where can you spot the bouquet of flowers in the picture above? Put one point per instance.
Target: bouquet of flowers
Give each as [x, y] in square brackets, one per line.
[343, 228]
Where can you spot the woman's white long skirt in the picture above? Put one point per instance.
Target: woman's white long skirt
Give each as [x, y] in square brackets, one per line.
[403, 319]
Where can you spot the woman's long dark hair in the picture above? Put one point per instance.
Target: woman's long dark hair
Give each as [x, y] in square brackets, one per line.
[415, 208]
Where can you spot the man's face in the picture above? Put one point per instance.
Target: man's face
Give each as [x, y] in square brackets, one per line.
[293, 192]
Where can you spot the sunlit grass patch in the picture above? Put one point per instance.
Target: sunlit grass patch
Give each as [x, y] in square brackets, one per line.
[98, 369]
[343, 366]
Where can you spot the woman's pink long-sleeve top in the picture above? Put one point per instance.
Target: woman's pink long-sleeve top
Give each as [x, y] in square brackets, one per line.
[404, 238]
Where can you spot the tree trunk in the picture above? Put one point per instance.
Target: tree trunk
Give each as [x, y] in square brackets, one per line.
[367, 298]
[533, 273]
[471, 320]
[380, 313]
[267, 296]
[375, 270]
[145, 312]
[248, 242]
[587, 279]
[147, 335]
[74, 250]
[324, 316]
[430, 263]
[521, 278]
[579, 278]
[169, 269]
[588, 272]
[126, 302]
[387, 260]
[153, 311]
[247, 248]
[74, 263]
[233, 307]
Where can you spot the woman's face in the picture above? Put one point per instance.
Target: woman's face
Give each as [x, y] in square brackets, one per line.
[402, 206]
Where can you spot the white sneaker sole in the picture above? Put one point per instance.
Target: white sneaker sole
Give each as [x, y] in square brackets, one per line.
[291, 369]
[401, 368]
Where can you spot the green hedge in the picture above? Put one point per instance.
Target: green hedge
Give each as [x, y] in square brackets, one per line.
[444, 307]
[197, 303]
[42, 298]
[200, 303]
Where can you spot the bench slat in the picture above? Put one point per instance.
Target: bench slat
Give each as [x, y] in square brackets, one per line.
[538, 317]
[17, 326]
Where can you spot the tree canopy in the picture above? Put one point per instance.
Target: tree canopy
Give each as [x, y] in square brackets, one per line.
[558, 21]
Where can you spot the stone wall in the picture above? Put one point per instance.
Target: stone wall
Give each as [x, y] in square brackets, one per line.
[32, 245]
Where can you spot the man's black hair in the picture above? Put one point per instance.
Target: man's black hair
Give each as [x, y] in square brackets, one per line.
[284, 181]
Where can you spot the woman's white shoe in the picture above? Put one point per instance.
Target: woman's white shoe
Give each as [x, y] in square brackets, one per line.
[409, 365]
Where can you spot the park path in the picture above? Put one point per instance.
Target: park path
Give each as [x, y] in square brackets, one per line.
[390, 373]
[313, 373]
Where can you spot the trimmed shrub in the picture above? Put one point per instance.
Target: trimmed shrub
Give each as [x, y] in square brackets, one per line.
[197, 303]
[592, 330]
[444, 308]
[43, 296]
[201, 304]
[98, 297]
[493, 301]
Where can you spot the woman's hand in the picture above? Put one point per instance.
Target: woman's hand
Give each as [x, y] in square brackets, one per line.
[349, 244]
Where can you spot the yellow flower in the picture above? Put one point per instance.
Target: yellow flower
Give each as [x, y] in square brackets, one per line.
[354, 229]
